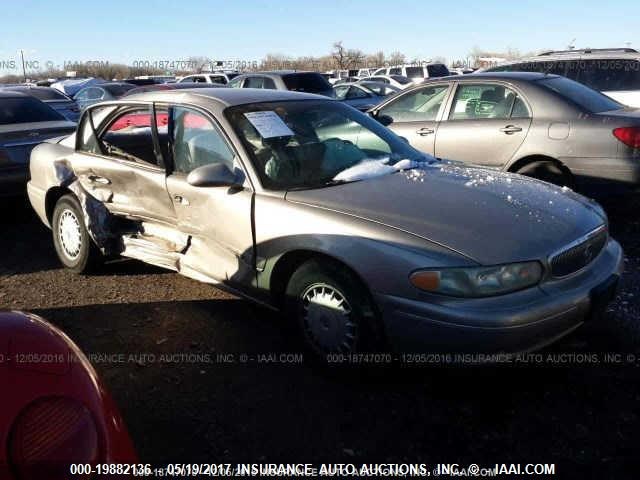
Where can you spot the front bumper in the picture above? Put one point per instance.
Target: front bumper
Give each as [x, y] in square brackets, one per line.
[13, 180]
[518, 322]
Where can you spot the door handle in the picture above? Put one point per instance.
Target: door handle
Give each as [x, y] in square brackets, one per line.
[181, 200]
[425, 131]
[98, 179]
[509, 129]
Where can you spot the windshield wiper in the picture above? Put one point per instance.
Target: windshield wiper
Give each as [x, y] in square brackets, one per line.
[328, 183]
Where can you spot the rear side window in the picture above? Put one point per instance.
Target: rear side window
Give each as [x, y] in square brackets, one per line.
[395, 71]
[437, 70]
[306, 82]
[26, 110]
[415, 72]
[579, 94]
[218, 79]
[520, 109]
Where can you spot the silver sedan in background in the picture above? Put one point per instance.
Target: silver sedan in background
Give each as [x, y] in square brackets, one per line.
[25, 122]
[308, 206]
[544, 126]
[363, 95]
[52, 97]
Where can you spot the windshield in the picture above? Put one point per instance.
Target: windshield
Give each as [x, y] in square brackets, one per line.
[26, 110]
[437, 70]
[583, 96]
[310, 144]
[415, 72]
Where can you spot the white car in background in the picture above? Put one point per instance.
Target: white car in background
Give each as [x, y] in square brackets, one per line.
[220, 78]
[397, 81]
[415, 73]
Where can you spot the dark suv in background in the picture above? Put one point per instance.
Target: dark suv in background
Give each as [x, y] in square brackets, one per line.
[612, 71]
[307, 82]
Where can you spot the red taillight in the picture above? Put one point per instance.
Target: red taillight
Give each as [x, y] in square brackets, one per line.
[51, 434]
[628, 135]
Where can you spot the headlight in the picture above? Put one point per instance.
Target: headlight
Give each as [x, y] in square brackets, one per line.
[478, 281]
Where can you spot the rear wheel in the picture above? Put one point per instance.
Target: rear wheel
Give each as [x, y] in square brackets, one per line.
[549, 172]
[332, 309]
[74, 246]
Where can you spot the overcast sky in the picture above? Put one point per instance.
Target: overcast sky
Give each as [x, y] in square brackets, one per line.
[125, 31]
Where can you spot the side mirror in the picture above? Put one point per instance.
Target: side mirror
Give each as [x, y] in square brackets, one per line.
[385, 120]
[213, 175]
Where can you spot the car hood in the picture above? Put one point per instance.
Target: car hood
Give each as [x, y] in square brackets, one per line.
[490, 217]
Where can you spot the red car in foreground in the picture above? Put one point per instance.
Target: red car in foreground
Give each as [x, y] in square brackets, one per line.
[54, 411]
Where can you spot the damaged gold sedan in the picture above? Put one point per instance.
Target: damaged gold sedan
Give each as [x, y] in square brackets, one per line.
[307, 205]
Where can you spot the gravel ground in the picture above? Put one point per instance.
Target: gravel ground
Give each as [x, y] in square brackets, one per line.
[583, 418]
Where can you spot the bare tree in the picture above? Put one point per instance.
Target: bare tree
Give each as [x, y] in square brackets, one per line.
[396, 58]
[339, 54]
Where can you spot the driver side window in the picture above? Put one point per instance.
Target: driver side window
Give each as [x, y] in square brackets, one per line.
[418, 106]
[196, 141]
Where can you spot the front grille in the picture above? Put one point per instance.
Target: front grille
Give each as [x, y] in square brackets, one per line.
[578, 256]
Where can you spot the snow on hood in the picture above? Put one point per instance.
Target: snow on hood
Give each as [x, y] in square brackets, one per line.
[371, 168]
[489, 216]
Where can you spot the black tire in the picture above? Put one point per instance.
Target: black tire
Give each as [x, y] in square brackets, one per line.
[547, 171]
[328, 328]
[79, 254]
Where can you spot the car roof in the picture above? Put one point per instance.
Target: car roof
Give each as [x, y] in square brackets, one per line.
[277, 73]
[523, 76]
[374, 83]
[583, 54]
[226, 96]
[28, 87]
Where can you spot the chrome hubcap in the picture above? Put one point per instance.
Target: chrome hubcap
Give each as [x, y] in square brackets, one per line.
[69, 234]
[327, 319]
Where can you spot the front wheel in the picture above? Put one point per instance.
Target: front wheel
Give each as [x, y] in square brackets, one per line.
[74, 246]
[332, 309]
